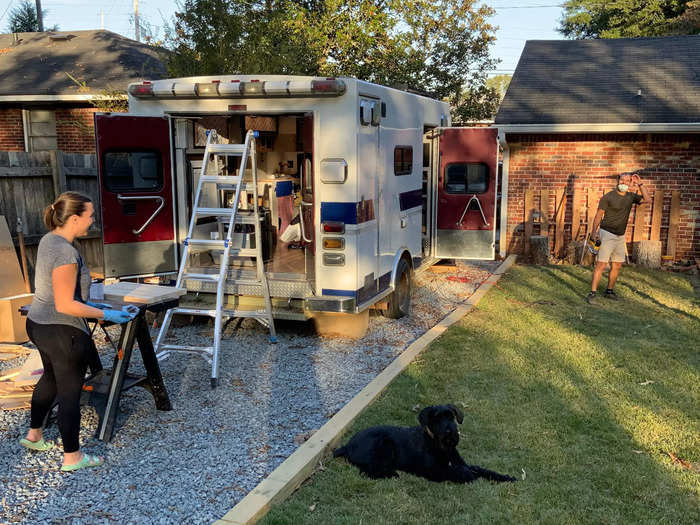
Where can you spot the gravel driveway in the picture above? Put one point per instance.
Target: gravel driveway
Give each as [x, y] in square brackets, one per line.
[191, 465]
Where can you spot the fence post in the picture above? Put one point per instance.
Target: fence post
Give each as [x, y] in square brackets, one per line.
[58, 173]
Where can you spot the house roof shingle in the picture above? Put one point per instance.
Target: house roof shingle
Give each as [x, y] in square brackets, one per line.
[629, 80]
[39, 63]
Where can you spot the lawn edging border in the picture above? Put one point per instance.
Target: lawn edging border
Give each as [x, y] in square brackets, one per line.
[293, 471]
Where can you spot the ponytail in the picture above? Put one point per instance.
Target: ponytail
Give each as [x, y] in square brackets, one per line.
[67, 204]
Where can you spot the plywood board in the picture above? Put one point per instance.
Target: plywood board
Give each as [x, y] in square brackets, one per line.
[657, 210]
[529, 209]
[592, 208]
[559, 233]
[640, 227]
[673, 222]
[11, 280]
[141, 293]
[15, 404]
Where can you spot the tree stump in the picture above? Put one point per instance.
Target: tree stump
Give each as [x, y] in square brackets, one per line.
[647, 253]
[539, 249]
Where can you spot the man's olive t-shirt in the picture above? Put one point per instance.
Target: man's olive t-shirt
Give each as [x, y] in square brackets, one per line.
[55, 251]
[617, 210]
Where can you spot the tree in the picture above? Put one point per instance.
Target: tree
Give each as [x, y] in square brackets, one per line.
[440, 47]
[628, 18]
[23, 19]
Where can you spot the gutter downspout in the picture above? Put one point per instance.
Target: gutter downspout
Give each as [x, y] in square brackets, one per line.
[504, 193]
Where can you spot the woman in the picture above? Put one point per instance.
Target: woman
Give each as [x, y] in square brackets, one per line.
[57, 327]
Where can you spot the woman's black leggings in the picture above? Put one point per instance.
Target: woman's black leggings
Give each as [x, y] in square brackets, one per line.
[65, 352]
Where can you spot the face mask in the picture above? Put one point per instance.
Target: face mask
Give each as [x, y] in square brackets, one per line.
[622, 187]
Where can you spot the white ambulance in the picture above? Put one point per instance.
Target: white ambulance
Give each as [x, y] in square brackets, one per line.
[369, 183]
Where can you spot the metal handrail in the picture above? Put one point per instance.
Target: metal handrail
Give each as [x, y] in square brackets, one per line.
[144, 198]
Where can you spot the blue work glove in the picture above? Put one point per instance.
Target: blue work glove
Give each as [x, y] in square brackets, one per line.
[101, 306]
[119, 316]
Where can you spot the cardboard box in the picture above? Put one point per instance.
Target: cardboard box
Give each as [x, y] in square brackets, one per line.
[12, 323]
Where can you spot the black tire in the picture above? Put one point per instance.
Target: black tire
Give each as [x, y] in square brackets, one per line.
[399, 303]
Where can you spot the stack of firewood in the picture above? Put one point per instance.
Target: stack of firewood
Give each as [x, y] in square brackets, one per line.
[17, 384]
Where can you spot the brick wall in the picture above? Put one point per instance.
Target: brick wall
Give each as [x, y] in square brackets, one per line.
[551, 162]
[11, 130]
[75, 129]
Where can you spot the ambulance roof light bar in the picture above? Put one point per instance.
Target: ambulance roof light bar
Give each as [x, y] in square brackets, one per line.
[328, 87]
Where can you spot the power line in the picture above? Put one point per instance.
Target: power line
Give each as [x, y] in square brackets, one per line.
[6, 9]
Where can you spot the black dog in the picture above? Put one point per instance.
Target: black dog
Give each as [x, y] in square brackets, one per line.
[428, 451]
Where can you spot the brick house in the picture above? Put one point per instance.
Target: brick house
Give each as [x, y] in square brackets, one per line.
[577, 113]
[42, 107]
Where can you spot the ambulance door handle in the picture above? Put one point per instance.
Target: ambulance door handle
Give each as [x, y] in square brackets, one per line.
[301, 220]
[144, 198]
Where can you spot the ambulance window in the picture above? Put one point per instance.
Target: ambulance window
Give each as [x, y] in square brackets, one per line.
[467, 178]
[132, 171]
[403, 160]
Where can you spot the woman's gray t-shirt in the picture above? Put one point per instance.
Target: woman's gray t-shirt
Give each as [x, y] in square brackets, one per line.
[55, 251]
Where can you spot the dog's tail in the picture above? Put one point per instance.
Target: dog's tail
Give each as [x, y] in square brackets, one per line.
[339, 452]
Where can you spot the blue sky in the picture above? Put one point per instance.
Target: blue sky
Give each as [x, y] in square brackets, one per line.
[518, 20]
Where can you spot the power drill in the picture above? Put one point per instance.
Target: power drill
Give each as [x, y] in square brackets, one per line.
[593, 245]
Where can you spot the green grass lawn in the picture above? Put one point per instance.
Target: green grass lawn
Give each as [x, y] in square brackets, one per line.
[586, 401]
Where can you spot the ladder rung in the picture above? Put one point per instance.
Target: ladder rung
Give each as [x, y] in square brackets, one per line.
[214, 212]
[227, 149]
[262, 314]
[213, 243]
[193, 311]
[209, 277]
[243, 282]
[221, 179]
[187, 348]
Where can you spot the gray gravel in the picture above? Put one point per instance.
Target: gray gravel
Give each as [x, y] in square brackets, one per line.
[191, 465]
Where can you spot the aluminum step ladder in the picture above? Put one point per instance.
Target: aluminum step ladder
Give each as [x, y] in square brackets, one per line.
[234, 216]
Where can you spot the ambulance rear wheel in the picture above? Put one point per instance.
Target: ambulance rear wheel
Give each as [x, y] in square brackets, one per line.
[399, 303]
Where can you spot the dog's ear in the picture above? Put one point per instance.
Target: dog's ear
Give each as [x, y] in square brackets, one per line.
[425, 416]
[457, 412]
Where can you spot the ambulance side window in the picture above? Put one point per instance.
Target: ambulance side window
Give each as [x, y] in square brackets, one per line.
[403, 160]
[467, 178]
[132, 171]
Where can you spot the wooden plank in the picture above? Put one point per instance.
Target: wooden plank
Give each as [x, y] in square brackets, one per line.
[544, 212]
[58, 173]
[141, 293]
[560, 208]
[576, 230]
[656, 213]
[640, 226]
[529, 210]
[33, 171]
[80, 172]
[673, 222]
[14, 404]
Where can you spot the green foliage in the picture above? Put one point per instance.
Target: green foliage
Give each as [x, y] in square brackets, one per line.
[629, 18]
[440, 47]
[23, 18]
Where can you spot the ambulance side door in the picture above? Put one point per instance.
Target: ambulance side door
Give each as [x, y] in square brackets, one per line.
[136, 187]
[466, 193]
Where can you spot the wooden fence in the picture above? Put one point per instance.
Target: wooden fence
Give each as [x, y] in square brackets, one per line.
[540, 218]
[31, 181]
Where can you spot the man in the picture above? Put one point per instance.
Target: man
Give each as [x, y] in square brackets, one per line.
[612, 216]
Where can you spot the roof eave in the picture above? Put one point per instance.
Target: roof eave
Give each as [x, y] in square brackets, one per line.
[615, 127]
[82, 97]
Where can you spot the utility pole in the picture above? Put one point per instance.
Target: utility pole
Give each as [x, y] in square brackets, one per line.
[39, 18]
[136, 20]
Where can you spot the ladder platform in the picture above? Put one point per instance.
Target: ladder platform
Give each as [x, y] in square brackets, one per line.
[232, 150]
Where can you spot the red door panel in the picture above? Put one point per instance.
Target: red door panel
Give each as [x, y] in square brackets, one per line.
[136, 188]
